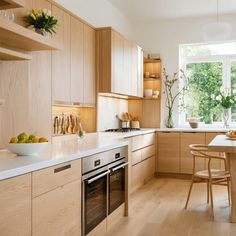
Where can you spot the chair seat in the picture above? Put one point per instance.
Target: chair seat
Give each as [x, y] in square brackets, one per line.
[215, 174]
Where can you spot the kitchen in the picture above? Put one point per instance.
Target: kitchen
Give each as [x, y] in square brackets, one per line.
[107, 68]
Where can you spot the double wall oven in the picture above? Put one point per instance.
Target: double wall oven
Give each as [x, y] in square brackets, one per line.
[103, 188]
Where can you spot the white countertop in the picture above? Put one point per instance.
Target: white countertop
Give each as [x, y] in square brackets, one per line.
[200, 129]
[62, 150]
[57, 152]
[222, 143]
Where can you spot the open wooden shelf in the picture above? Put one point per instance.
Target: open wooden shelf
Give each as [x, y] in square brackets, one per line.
[147, 60]
[10, 55]
[16, 36]
[151, 79]
[8, 4]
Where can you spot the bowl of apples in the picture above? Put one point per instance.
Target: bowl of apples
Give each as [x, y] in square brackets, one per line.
[27, 145]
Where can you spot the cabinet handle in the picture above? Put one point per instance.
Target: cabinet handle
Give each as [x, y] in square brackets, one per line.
[59, 169]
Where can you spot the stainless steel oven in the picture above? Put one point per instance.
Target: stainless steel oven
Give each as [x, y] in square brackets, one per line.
[103, 187]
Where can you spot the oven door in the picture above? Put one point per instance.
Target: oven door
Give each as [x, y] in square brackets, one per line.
[95, 196]
[117, 187]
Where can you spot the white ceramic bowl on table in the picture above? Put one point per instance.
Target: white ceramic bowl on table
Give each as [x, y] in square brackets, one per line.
[26, 149]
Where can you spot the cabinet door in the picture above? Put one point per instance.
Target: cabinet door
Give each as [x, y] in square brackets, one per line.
[186, 160]
[58, 212]
[15, 206]
[215, 163]
[140, 72]
[134, 70]
[118, 81]
[89, 65]
[149, 168]
[169, 152]
[77, 63]
[137, 178]
[127, 68]
[61, 58]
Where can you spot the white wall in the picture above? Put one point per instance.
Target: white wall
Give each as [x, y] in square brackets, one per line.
[99, 13]
[107, 109]
[164, 37]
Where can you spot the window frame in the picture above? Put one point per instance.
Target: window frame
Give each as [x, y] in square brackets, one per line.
[225, 59]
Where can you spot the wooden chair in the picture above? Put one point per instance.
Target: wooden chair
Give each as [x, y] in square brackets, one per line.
[209, 176]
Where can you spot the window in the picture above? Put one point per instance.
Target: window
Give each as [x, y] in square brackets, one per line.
[209, 67]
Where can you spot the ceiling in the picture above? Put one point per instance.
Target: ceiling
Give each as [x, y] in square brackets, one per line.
[164, 9]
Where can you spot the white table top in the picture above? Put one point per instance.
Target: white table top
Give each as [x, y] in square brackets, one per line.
[222, 143]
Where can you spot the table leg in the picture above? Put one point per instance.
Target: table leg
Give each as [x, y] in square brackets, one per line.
[232, 167]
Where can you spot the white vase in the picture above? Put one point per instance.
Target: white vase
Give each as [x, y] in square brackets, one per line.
[226, 115]
[42, 32]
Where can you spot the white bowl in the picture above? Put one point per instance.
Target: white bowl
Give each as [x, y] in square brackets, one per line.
[147, 93]
[26, 149]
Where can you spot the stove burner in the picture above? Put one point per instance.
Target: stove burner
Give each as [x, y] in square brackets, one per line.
[123, 130]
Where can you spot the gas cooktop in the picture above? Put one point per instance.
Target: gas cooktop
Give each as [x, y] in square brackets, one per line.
[121, 130]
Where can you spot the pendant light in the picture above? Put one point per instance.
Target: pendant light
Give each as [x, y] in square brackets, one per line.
[217, 31]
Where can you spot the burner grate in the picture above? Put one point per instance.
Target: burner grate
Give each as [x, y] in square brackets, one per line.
[123, 130]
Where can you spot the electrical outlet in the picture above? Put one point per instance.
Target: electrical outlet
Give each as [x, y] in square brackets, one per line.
[2, 102]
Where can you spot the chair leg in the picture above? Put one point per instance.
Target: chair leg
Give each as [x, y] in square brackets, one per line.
[208, 192]
[211, 198]
[228, 187]
[189, 193]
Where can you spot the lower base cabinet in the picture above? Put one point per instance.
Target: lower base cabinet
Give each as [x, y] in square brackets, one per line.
[15, 206]
[142, 172]
[58, 212]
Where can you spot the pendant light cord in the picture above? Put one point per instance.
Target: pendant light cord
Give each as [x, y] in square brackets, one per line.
[217, 16]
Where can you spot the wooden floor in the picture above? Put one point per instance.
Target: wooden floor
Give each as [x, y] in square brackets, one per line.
[157, 209]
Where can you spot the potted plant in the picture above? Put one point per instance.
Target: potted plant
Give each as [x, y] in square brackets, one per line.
[171, 96]
[42, 21]
[226, 100]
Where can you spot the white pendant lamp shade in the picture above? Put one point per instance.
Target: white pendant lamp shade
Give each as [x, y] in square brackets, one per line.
[217, 31]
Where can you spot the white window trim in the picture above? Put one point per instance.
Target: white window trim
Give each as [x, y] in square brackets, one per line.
[226, 80]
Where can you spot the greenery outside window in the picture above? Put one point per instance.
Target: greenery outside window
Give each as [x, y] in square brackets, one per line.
[209, 68]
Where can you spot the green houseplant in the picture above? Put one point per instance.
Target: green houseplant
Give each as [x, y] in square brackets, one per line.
[172, 93]
[226, 100]
[42, 21]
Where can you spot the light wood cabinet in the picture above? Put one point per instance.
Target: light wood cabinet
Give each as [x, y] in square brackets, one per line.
[61, 58]
[77, 60]
[58, 212]
[56, 204]
[186, 159]
[119, 63]
[141, 141]
[15, 206]
[89, 65]
[168, 152]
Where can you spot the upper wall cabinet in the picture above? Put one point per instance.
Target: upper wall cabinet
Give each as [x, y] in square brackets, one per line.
[73, 77]
[61, 59]
[119, 64]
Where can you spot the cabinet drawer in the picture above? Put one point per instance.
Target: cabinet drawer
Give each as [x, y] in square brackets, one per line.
[148, 152]
[142, 141]
[55, 176]
[136, 157]
[148, 139]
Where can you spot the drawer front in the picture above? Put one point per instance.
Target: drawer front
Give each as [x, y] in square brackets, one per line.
[148, 139]
[136, 157]
[137, 142]
[142, 141]
[148, 152]
[50, 178]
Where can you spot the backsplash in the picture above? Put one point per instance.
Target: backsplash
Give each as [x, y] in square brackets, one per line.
[107, 109]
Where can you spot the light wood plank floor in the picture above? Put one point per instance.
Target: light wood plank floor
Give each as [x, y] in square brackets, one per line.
[157, 209]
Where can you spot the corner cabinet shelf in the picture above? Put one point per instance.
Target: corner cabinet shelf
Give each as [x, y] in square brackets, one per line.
[10, 55]
[8, 4]
[15, 36]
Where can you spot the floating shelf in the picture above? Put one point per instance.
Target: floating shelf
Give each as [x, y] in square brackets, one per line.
[16, 36]
[8, 4]
[152, 60]
[10, 55]
[151, 98]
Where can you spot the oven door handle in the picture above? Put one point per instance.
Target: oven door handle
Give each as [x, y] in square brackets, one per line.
[119, 167]
[89, 181]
